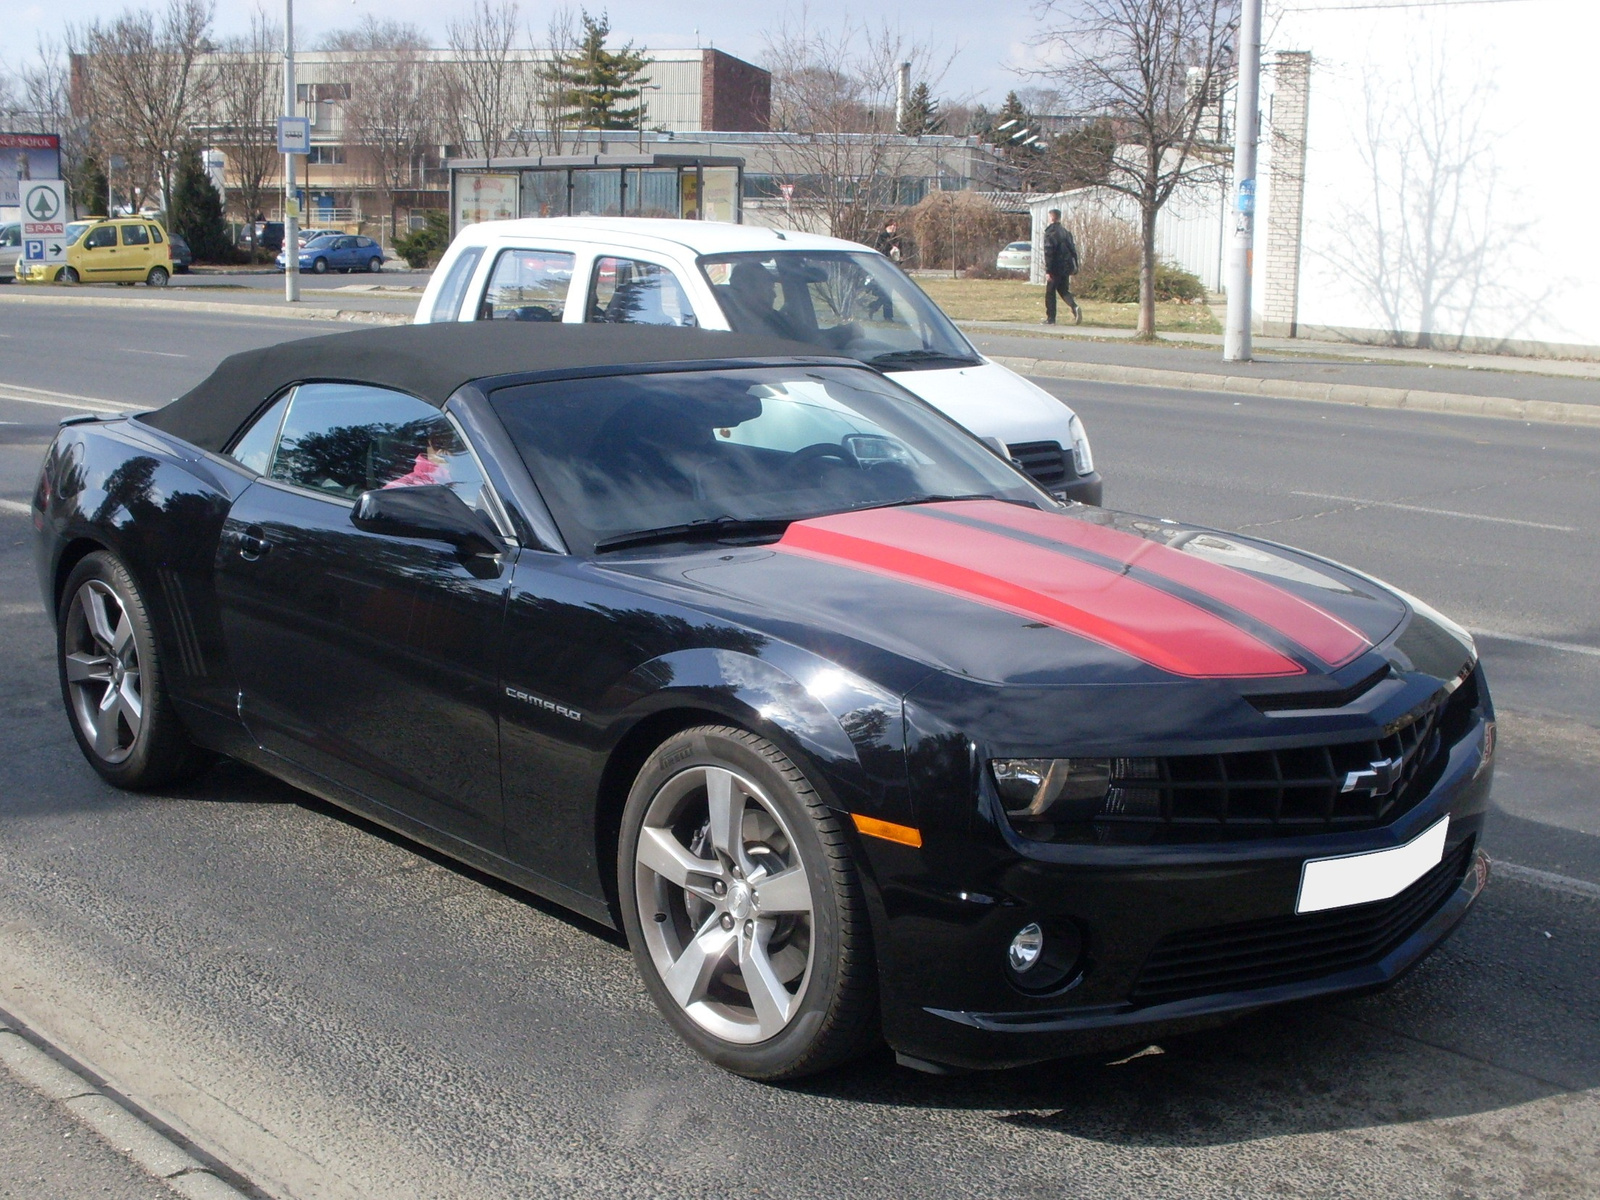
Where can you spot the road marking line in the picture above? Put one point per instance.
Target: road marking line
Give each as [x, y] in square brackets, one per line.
[1565, 647]
[1545, 879]
[1438, 512]
[161, 353]
[18, 394]
[150, 1150]
[15, 506]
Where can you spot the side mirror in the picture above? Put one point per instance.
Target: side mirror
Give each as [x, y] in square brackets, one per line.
[433, 512]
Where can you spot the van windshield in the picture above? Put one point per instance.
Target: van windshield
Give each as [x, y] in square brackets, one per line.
[75, 230]
[857, 304]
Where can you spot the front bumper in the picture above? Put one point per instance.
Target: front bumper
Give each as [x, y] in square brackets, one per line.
[944, 928]
[1085, 489]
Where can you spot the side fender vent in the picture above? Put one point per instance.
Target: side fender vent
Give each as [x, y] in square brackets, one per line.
[190, 656]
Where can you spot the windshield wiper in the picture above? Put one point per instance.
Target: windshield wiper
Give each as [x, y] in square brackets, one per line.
[909, 357]
[711, 530]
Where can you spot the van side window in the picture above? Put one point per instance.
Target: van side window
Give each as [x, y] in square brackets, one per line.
[136, 235]
[447, 305]
[155, 235]
[626, 292]
[528, 285]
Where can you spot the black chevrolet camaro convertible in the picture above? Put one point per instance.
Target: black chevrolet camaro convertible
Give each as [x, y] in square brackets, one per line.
[856, 733]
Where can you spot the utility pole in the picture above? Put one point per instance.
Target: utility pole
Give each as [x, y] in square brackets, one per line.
[291, 203]
[1246, 133]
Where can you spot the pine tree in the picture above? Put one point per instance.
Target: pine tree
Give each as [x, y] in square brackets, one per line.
[922, 113]
[195, 213]
[599, 87]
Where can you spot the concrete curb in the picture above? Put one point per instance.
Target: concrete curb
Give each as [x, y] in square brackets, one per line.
[259, 311]
[1412, 399]
[149, 1150]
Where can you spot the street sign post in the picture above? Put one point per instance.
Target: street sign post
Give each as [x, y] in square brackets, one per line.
[294, 135]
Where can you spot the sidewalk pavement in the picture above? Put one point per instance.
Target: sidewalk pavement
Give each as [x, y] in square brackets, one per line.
[1558, 391]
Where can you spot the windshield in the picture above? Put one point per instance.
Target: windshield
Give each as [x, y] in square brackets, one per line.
[75, 231]
[858, 304]
[618, 456]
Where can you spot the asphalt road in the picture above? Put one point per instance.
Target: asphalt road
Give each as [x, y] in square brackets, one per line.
[339, 1013]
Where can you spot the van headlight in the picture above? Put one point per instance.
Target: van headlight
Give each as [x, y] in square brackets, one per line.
[1082, 456]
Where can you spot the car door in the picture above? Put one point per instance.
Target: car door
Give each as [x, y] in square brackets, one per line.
[136, 252]
[99, 259]
[635, 291]
[344, 253]
[370, 660]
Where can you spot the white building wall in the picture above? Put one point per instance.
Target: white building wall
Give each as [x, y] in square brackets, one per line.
[1476, 107]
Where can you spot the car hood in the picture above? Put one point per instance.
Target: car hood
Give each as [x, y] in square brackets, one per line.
[992, 401]
[1005, 595]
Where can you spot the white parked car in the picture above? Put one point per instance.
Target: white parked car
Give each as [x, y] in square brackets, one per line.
[10, 249]
[833, 294]
[1018, 256]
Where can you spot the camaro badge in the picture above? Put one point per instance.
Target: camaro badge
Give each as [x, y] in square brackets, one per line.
[560, 710]
[1379, 777]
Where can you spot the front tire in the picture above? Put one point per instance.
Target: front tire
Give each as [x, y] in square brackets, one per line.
[157, 277]
[67, 275]
[320, 267]
[112, 681]
[744, 908]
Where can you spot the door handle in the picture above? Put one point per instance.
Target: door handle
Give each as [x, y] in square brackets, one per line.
[253, 543]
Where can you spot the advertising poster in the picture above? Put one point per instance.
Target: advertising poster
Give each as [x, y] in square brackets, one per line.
[26, 156]
[485, 198]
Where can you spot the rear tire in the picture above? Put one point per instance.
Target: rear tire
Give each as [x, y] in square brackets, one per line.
[374, 265]
[67, 275]
[158, 277]
[113, 684]
[744, 908]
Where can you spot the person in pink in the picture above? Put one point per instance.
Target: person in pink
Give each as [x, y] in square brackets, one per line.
[432, 465]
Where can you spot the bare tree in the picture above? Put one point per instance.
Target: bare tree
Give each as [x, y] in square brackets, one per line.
[835, 90]
[393, 96]
[1425, 244]
[1153, 69]
[483, 80]
[544, 97]
[245, 102]
[139, 85]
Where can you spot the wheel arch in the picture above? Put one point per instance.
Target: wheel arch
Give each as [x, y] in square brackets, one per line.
[74, 552]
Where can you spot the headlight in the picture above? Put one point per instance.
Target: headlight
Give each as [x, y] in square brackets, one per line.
[1082, 456]
[1064, 790]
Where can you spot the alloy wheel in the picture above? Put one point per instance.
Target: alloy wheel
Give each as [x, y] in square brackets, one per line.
[725, 904]
[101, 656]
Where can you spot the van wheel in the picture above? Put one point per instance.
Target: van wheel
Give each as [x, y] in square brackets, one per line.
[67, 275]
[157, 277]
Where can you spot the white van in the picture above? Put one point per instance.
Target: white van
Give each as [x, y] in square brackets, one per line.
[830, 293]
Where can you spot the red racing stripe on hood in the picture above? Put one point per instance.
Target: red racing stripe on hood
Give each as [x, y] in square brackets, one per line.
[1297, 619]
[992, 569]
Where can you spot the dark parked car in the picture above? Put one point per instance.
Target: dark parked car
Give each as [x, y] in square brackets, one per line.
[269, 235]
[338, 252]
[754, 655]
[182, 256]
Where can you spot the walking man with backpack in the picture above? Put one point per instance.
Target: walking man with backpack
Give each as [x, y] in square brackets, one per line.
[1060, 264]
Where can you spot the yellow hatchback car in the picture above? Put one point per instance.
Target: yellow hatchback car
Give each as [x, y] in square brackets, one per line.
[114, 250]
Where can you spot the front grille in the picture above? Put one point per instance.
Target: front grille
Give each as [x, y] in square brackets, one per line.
[1294, 791]
[1278, 950]
[1044, 462]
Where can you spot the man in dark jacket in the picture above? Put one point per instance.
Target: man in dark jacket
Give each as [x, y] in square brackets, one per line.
[1060, 264]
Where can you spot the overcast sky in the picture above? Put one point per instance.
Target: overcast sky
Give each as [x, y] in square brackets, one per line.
[988, 38]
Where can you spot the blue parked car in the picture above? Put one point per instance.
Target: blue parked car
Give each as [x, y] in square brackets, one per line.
[338, 252]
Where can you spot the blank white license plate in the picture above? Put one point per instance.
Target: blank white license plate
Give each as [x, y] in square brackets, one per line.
[1375, 875]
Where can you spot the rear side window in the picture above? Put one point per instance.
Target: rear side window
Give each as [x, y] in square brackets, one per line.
[344, 439]
[528, 285]
[626, 292]
[447, 305]
[155, 234]
[135, 235]
[99, 238]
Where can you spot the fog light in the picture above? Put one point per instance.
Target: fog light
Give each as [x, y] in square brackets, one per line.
[1026, 948]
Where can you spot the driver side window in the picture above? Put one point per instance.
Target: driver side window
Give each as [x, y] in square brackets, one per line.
[342, 439]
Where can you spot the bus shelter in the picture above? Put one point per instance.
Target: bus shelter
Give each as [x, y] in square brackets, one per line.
[695, 187]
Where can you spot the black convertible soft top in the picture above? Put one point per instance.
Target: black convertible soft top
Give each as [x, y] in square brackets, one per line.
[432, 361]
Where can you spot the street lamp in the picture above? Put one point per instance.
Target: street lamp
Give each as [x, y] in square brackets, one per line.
[291, 205]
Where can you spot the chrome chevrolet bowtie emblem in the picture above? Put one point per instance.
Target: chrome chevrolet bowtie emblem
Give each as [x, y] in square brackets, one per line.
[1379, 777]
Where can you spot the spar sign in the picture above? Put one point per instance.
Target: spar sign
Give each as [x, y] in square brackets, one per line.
[44, 219]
